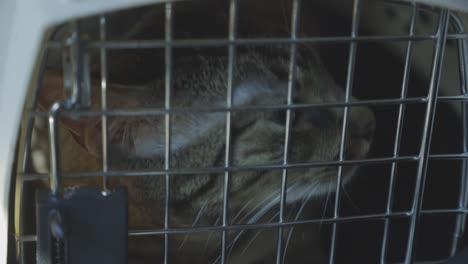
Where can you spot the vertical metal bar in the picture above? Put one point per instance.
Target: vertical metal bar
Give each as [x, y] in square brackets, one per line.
[287, 133]
[103, 58]
[229, 92]
[399, 129]
[22, 255]
[458, 26]
[167, 121]
[348, 93]
[76, 78]
[55, 179]
[459, 228]
[79, 96]
[31, 118]
[73, 95]
[427, 133]
[76, 71]
[26, 151]
[460, 222]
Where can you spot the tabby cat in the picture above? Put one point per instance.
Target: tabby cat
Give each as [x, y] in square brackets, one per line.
[198, 137]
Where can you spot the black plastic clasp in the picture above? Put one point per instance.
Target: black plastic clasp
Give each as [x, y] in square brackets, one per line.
[83, 226]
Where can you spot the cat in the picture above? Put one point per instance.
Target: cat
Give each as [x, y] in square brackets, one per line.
[198, 138]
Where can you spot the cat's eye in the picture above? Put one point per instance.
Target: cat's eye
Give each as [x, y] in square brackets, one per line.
[322, 118]
[318, 117]
[279, 117]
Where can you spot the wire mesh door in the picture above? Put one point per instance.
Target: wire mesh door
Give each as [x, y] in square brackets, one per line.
[101, 108]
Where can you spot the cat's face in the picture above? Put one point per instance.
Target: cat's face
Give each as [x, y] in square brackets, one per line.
[257, 137]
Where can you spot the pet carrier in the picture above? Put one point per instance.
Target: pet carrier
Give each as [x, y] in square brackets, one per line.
[123, 96]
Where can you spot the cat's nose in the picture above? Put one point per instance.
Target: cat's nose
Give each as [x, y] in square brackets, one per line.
[362, 123]
[367, 130]
[322, 118]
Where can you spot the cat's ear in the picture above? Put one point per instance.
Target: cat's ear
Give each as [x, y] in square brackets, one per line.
[86, 131]
[51, 90]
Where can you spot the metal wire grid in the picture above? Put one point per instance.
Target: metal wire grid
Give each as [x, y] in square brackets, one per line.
[168, 44]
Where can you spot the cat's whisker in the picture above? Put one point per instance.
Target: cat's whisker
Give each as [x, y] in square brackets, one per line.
[289, 217]
[216, 260]
[353, 204]
[324, 211]
[210, 234]
[271, 204]
[291, 212]
[258, 206]
[241, 210]
[256, 235]
[183, 242]
[125, 131]
[260, 213]
[287, 244]
[264, 210]
[254, 219]
[267, 205]
[304, 203]
[193, 224]
[202, 209]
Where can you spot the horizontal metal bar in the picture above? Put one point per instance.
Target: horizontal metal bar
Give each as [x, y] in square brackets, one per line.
[445, 211]
[136, 173]
[26, 238]
[421, 5]
[139, 173]
[453, 98]
[346, 219]
[267, 225]
[188, 43]
[448, 156]
[185, 230]
[162, 111]
[184, 43]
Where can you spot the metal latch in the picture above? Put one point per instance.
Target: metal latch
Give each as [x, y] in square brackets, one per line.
[79, 224]
[83, 226]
